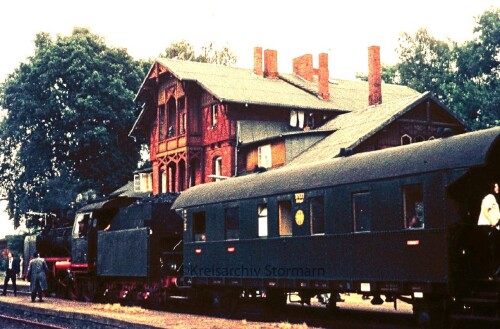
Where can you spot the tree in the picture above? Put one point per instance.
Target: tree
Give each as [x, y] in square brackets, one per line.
[69, 110]
[478, 76]
[185, 51]
[389, 74]
[464, 77]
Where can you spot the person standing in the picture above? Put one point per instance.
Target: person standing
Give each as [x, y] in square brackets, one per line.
[11, 271]
[490, 212]
[37, 275]
[490, 216]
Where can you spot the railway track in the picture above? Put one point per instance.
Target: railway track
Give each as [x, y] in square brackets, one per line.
[9, 322]
[18, 313]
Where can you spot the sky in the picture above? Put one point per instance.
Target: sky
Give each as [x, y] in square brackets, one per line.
[145, 28]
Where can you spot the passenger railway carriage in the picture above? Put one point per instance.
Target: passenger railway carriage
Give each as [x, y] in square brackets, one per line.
[395, 224]
[399, 223]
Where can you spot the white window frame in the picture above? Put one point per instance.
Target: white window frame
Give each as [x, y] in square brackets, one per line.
[164, 181]
[293, 118]
[262, 220]
[265, 156]
[217, 168]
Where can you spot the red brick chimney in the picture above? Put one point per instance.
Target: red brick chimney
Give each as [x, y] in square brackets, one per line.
[271, 64]
[257, 61]
[303, 67]
[323, 76]
[374, 76]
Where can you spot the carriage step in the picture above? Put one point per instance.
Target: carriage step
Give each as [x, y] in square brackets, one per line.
[476, 319]
[475, 300]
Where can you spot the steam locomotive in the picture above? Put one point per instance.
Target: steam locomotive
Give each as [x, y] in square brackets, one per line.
[395, 224]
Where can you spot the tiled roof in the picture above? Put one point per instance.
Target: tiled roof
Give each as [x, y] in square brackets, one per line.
[351, 95]
[230, 84]
[351, 129]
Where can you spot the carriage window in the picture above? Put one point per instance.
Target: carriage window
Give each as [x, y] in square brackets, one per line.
[232, 223]
[285, 217]
[413, 198]
[262, 212]
[361, 211]
[317, 215]
[199, 226]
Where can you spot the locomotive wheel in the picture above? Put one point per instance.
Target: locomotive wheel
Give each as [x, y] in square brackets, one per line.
[72, 291]
[331, 305]
[432, 312]
[225, 303]
[276, 300]
[202, 299]
[87, 290]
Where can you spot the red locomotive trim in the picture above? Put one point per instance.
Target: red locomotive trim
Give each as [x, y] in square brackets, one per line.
[63, 265]
[56, 259]
[79, 266]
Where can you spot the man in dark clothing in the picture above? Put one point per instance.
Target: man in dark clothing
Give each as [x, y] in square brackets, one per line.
[11, 266]
[37, 275]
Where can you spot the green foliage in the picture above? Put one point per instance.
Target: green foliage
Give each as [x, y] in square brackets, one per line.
[15, 243]
[69, 110]
[464, 77]
[183, 50]
[388, 74]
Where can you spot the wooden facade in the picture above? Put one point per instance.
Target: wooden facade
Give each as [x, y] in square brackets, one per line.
[196, 135]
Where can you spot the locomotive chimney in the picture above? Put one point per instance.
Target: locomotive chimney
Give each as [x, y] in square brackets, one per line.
[271, 64]
[257, 61]
[374, 76]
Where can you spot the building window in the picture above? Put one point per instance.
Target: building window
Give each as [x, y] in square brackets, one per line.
[213, 115]
[194, 169]
[183, 123]
[317, 215]
[310, 120]
[285, 217]
[297, 118]
[171, 177]
[163, 182]
[361, 211]
[199, 226]
[181, 106]
[293, 118]
[419, 139]
[182, 176]
[406, 139]
[172, 123]
[143, 182]
[264, 156]
[262, 220]
[217, 168]
[413, 201]
[300, 117]
[162, 122]
[232, 223]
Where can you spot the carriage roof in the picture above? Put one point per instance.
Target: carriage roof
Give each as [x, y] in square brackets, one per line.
[461, 151]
